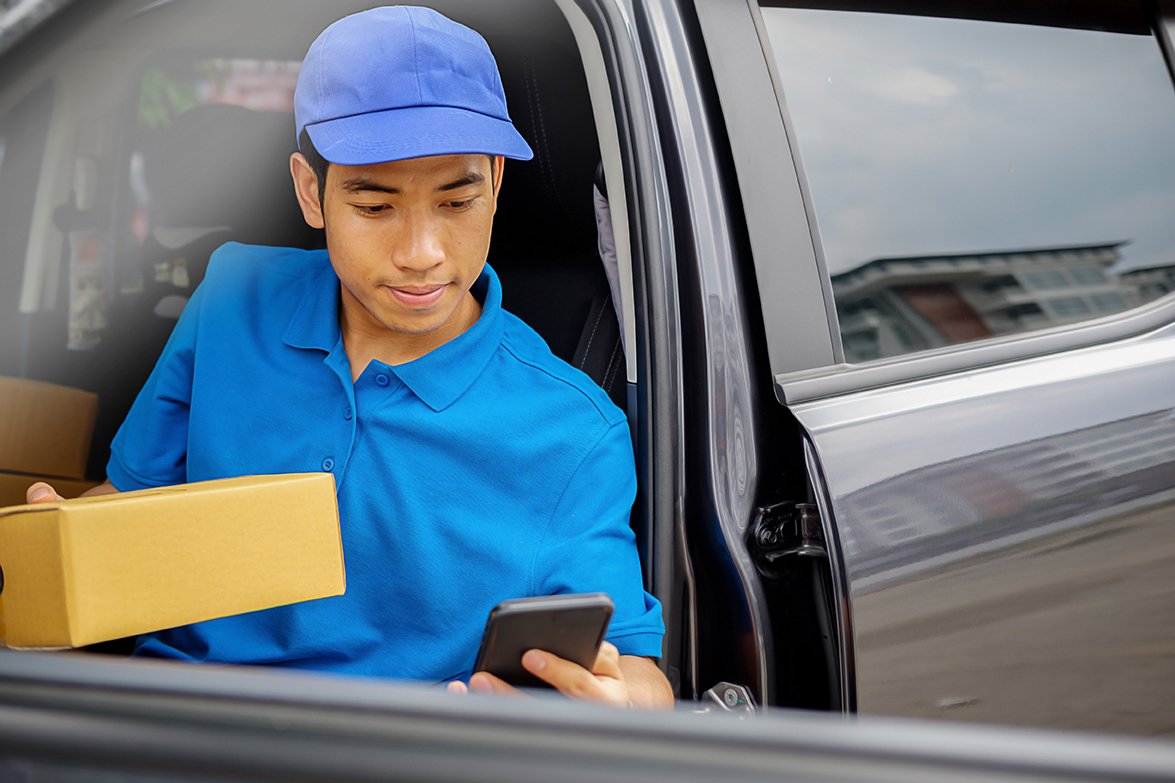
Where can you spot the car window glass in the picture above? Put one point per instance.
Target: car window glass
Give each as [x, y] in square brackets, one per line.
[978, 178]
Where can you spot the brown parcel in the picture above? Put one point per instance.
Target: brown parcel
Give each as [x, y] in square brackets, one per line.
[82, 571]
[45, 429]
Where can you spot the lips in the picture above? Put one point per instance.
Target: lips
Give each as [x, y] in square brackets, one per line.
[417, 296]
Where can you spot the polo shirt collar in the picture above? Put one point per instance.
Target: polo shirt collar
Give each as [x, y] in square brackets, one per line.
[440, 376]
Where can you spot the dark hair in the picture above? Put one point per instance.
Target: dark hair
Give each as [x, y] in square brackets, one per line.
[319, 164]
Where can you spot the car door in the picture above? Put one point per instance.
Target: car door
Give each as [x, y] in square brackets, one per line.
[65, 717]
[960, 225]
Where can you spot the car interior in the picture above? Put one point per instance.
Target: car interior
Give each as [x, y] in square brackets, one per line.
[165, 131]
[216, 171]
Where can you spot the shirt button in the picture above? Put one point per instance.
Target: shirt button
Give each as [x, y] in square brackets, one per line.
[347, 414]
[381, 379]
[328, 464]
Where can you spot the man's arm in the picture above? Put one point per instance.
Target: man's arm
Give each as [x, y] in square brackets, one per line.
[44, 493]
[647, 687]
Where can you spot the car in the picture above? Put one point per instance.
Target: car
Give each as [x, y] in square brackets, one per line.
[885, 289]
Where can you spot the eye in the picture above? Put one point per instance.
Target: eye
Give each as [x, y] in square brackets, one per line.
[373, 210]
[461, 205]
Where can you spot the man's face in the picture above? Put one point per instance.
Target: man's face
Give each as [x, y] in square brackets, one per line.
[408, 238]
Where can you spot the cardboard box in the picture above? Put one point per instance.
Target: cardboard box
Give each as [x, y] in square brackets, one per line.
[45, 429]
[92, 569]
[14, 487]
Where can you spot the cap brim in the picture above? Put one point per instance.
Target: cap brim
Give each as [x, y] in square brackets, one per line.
[415, 132]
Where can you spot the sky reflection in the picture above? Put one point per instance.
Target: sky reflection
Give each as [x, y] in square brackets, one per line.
[924, 136]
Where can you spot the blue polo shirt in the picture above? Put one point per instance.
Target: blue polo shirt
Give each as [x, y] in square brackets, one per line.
[487, 469]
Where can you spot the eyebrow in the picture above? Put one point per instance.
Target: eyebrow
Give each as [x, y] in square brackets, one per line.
[472, 178]
[364, 184]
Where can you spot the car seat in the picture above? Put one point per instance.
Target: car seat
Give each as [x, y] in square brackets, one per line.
[218, 173]
[546, 246]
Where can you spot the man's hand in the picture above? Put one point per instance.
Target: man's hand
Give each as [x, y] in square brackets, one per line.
[616, 680]
[43, 493]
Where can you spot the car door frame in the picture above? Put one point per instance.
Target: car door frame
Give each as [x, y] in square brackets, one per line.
[798, 313]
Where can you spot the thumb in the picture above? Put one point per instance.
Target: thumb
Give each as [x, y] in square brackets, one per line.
[42, 493]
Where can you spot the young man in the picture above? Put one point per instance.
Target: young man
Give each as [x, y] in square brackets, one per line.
[472, 465]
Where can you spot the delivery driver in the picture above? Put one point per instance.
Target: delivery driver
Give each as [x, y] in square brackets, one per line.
[472, 466]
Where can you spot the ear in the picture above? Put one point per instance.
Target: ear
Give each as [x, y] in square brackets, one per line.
[499, 167]
[306, 189]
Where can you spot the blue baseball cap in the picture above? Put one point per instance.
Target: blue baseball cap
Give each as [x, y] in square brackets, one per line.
[402, 82]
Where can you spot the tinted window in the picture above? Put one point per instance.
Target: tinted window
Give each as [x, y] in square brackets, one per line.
[975, 178]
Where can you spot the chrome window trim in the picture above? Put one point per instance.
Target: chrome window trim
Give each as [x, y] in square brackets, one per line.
[792, 388]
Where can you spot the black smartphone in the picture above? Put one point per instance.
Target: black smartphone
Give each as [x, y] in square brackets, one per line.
[569, 626]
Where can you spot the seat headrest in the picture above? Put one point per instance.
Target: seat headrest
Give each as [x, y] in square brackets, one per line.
[549, 197]
[224, 165]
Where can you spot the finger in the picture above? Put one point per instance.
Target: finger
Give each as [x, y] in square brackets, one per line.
[484, 682]
[41, 493]
[568, 678]
[456, 686]
[608, 662]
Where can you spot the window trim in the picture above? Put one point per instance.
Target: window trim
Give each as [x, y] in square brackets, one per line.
[793, 388]
[795, 290]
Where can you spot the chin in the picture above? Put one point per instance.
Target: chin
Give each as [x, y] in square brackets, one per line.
[414, 327]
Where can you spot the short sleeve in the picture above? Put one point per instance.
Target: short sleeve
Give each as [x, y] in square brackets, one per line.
[589, 547]
[150, 448]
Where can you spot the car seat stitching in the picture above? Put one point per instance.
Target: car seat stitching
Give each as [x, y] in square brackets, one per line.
[607, 379]
[532, 99]
[591, 338]
[613, 366]
[550, 165]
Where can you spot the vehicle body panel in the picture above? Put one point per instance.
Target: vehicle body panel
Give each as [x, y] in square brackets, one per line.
[1008, 536]
[999, 516]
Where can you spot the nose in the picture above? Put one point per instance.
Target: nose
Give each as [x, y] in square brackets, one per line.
[419, 245]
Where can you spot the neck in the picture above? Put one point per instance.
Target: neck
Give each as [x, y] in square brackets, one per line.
[366, 339]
